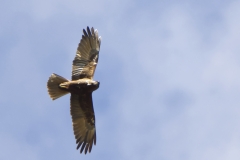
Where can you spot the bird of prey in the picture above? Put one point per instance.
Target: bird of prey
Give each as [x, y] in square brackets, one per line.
[81, 87]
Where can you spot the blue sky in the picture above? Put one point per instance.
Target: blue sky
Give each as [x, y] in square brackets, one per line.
[169, 73]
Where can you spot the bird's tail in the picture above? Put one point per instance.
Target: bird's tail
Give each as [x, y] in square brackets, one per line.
[54, 90]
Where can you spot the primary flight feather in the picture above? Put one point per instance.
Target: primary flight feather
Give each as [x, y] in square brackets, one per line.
[81, 87]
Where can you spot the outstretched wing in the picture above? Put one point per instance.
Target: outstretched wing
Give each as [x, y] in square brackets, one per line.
[86, 58]
[83, 119]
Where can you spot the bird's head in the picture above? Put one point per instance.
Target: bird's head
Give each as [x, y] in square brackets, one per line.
[93, 86]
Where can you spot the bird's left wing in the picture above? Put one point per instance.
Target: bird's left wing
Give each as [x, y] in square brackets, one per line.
[86, 58]
[83, 119]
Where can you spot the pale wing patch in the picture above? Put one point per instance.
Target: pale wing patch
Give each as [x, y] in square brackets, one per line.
[85, 61]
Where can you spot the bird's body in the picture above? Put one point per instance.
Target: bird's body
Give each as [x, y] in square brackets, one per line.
[81, 87]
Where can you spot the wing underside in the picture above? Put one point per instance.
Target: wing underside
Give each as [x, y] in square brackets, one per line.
[85, 61]
[83, 119]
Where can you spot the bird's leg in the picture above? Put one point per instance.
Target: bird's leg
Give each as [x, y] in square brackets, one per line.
[64, 85]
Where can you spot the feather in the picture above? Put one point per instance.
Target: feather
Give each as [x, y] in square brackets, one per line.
[53, 86]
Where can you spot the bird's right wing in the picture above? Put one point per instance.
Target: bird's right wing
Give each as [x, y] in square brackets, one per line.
[86, 59]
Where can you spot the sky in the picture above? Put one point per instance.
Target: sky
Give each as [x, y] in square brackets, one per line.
[169, 75]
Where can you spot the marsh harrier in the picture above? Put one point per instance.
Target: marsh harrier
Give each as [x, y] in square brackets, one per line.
[81, 87]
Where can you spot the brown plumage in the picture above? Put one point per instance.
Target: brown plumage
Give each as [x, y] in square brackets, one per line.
[81, 87]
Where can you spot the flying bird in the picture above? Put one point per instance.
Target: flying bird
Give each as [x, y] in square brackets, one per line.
[81, 87]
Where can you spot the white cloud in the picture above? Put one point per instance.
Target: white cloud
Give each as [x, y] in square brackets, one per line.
[149, 127]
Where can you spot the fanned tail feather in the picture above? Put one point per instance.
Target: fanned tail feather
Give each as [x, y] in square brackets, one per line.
[54, 90]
